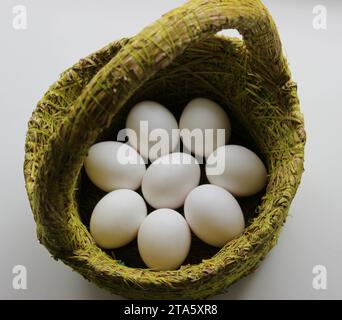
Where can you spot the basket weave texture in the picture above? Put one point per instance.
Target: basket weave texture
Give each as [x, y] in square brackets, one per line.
[174, 59]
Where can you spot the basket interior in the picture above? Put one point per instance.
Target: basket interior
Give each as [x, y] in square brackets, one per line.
[214, 68]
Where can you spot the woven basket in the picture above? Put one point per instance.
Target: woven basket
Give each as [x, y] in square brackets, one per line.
[171, 61]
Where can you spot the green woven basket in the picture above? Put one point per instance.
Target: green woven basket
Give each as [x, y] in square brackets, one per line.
[171, 61]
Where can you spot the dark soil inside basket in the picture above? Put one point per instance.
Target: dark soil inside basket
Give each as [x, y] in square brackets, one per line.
[89, 195]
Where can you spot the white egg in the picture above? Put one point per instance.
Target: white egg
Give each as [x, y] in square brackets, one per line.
[164, 239]
[213, 214]
[237, 169]
[116, 218]
[114, 165]
[153, 130]
[204, 126]
[169, 179]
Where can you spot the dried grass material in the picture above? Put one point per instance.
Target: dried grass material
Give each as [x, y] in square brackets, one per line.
[176, 58]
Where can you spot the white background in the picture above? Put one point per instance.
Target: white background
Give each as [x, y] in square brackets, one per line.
[60, 32]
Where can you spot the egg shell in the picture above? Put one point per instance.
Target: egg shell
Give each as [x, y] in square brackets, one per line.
[114, 165]
[156, 116]
[237, 169]
[169, 179]
[202, 116]
[116, 218]
[164, 239]
[213, 214]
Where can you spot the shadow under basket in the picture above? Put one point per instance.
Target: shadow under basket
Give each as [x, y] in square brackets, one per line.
[175, 59]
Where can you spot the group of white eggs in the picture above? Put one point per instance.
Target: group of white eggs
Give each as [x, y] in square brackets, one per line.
[170, 182]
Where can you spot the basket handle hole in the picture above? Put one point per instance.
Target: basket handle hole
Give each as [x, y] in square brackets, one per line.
[230, 33]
